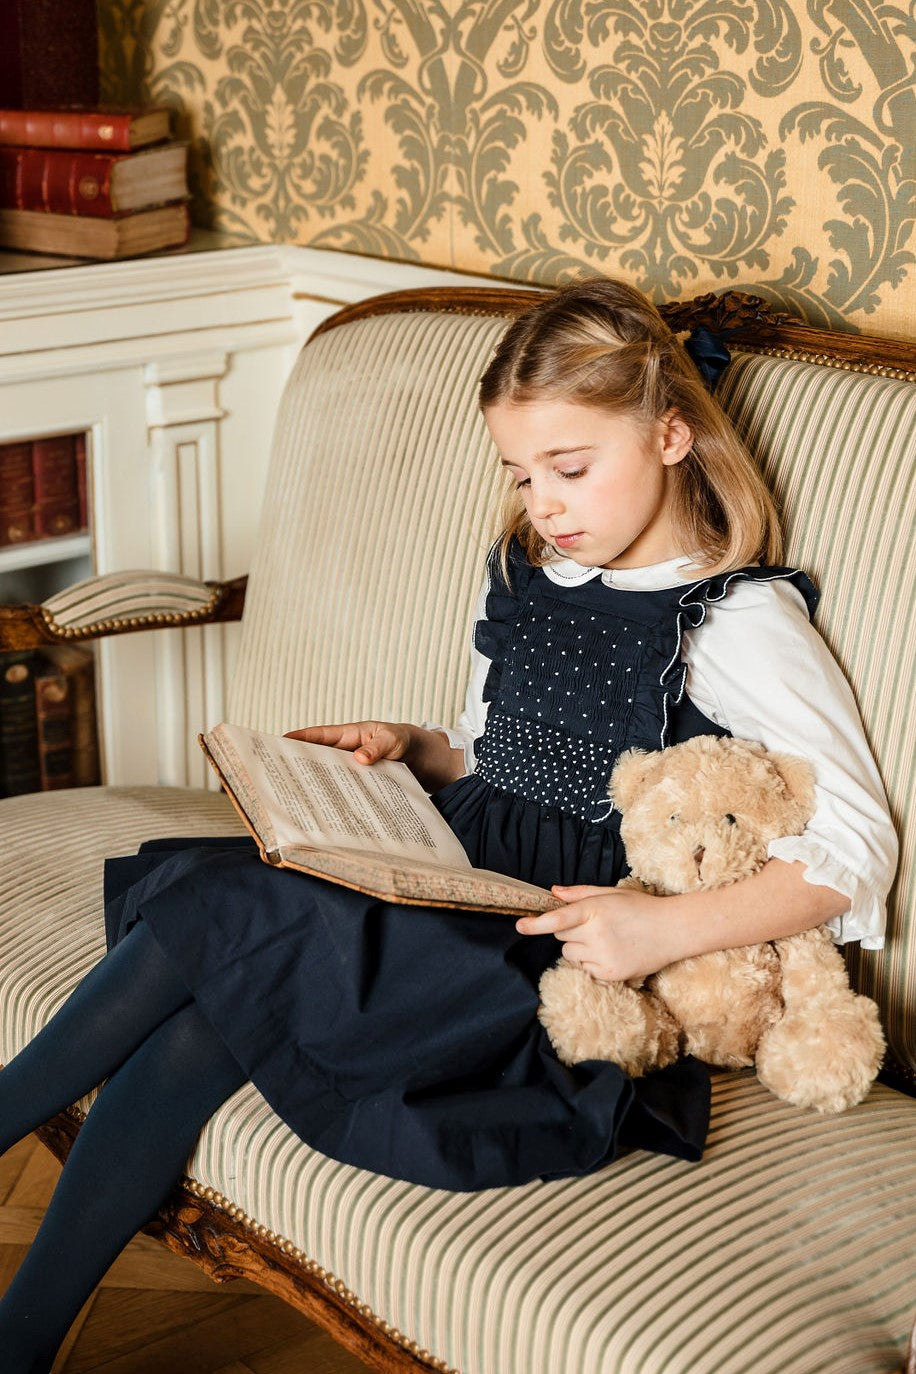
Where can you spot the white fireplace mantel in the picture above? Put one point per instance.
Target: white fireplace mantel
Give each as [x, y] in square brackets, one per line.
[173, 365]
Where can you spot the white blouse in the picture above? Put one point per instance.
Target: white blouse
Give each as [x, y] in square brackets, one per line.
[757, 667]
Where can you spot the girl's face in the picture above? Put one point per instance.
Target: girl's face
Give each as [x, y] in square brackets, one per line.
[596, 485]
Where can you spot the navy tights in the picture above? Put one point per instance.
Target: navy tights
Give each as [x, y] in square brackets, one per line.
[133, 1022]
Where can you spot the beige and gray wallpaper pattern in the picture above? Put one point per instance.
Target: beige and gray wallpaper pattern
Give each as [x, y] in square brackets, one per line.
[690, 145]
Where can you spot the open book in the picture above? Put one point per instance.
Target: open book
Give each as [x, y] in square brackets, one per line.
[313, 808]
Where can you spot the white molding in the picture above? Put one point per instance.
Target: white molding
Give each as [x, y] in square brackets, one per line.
[184, 389]
[104, 285]
[125, 354]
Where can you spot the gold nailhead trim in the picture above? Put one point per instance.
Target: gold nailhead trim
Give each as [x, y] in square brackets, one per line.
[802, 355]
[336, 1285]
[132, 622]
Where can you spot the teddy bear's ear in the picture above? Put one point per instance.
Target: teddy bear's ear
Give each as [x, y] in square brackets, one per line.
[633, 771]
[798, 777]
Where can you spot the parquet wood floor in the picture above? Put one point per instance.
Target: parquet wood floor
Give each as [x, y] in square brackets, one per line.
[155, 1313]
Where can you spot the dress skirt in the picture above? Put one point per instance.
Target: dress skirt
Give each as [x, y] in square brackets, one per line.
[405, 1039]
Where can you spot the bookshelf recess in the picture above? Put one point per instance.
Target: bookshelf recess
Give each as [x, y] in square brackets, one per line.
[48, 725]
[44, 515]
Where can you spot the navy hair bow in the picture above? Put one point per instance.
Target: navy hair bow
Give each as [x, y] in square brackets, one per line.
[709, 353]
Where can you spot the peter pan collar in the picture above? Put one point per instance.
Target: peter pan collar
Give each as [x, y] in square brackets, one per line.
[567, 572]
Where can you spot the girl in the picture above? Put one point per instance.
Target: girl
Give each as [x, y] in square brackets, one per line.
[624, 606]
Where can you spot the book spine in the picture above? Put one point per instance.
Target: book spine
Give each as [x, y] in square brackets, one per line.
[93, 131]
[54, 723]
[19, 770]
[17, 494]
[82, 488]
[49, 54]
[86, 763]
[57, 181]
[77, 666]
[57, 508]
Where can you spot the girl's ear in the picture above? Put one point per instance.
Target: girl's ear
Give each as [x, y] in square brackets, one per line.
[677, 438]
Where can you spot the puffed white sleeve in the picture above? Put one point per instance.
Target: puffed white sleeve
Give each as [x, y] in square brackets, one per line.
[469, 726]
[758, 667]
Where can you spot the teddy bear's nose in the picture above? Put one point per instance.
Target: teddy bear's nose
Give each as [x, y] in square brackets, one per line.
[698, 855]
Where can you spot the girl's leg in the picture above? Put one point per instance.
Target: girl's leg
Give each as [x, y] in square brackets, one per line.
[130, 1152]
[130, 992]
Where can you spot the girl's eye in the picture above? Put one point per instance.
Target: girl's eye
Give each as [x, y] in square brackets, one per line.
[523, 482]
[571, 476]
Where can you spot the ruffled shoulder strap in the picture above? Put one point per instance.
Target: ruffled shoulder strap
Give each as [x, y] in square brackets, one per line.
[504, 595]
[692, 609]
[716, 588]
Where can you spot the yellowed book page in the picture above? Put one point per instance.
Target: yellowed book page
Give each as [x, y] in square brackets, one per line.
[296, 793]
[426, 883]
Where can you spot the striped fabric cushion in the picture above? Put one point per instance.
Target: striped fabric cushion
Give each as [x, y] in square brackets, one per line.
[382, 469]
[790, 1248]
[97, 602]
[837, 449]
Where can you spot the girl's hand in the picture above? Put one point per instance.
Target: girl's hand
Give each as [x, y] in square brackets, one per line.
[615, 934]
[367, 740]
[427, 753]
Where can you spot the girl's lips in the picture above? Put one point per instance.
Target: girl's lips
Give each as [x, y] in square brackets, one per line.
[563, 541]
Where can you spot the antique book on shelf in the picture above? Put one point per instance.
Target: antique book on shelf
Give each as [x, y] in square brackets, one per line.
[80, 236]
[53, 718]
[62, 182]
[101, 129]
[314, 809]
[49, 53]
[19, 769]
[17, 493]
[68, 751]
[82, 488]
[57, 506]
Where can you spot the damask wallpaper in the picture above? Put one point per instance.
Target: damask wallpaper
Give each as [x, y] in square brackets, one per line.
[689, 145]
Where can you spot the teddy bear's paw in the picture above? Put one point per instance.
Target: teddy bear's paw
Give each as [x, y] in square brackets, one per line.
[585, 1019]
[824, 1056]
[723, 1001]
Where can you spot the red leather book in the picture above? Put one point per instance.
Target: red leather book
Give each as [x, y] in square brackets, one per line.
[17, 493]
[61, 182]
[82, 491]
[57, 507]
[99, 130]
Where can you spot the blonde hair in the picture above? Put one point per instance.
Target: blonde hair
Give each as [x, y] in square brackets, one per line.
[601, 343]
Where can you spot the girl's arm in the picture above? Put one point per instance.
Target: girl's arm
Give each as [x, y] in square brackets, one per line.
[759, 667]
[621, 933]
[427, 753]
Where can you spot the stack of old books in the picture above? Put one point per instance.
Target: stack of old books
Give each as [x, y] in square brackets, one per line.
[42, 488]
[92, 183]
[48, 732]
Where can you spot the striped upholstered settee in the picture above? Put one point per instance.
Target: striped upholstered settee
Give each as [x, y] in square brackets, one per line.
[792, 1246]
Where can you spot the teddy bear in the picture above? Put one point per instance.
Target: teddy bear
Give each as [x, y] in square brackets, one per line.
[694, 816]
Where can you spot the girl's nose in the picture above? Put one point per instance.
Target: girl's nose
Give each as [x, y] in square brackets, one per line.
[543, 503]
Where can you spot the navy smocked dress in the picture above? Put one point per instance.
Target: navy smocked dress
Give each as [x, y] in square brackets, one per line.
[403, 1039]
